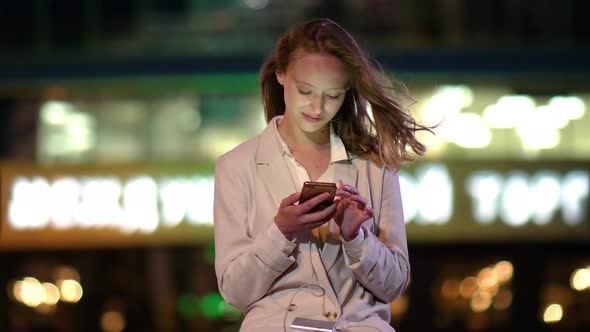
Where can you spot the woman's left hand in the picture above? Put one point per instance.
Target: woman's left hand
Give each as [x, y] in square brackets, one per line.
[351, 212]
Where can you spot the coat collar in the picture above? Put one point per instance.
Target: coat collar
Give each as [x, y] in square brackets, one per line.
[269, 156]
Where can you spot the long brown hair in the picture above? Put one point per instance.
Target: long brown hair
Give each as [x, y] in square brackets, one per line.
[386, 139]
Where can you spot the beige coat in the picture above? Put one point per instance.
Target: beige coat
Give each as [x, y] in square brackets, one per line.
[273, 280]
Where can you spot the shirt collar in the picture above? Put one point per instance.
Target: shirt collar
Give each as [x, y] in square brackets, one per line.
[337, 148]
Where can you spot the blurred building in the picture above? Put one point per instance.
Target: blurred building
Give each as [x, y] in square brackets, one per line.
[114, 112]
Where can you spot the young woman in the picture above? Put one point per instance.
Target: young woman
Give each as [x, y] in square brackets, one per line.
[332, 117]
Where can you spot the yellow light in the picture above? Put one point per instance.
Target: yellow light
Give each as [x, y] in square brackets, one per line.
[450, 289]
[468, 287]
[51, 293]
[580, 279]
[504, 271]
[46, 309]
[17, 291]
[399, 306]
[32, 292]
[486, 278]
[553, 313]
[480, 301]
[71, 290]
[65, 272]
[112, 321]
[503, 300]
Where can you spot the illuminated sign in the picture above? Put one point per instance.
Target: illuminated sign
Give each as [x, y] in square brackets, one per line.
[139, 204]
[441, 201]
[518, 198]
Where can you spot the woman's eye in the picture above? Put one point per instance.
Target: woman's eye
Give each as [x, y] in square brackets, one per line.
[334, 97]
[304, 92]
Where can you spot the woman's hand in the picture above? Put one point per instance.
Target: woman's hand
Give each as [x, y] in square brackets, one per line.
[351, 212]
[292, 219]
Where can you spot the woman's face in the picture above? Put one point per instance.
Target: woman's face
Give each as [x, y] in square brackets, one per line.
[315, 86]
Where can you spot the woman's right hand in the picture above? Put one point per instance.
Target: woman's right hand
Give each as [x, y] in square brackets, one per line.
[294, 218]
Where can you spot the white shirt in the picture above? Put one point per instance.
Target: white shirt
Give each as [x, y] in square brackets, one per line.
[354, 248]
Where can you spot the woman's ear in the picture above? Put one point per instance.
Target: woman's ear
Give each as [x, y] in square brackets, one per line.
[280, 77]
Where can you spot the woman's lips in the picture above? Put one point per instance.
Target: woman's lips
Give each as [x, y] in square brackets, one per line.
[311, 118]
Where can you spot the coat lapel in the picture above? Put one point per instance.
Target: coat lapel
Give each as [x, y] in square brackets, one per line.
[271, 167]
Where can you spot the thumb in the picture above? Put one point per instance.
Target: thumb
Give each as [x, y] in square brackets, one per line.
[291, 199]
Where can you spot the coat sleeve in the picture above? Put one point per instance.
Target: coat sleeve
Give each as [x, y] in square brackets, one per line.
[384, 268]
[246, 265]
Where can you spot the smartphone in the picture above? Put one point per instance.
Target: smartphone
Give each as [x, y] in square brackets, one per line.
[305, 324]
[311, 189]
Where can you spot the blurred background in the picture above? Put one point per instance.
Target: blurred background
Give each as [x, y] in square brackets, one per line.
[113, 112]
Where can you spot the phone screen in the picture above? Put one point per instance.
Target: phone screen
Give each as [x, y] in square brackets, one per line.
[311, 189]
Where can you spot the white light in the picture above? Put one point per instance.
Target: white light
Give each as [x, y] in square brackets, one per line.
[25, 194]
[64, 197]
[536, 135]
[446, 101]
[510, 111]
[553, 313]
[545, 195]
[574, 197]
[99, 202]
[428, 197]
[466, 130]
[106, 202]
[461, 96]
[572, 106]
[190, 199]
[55, 112]
[140, 198]
[484, 188]
[201, 211]
[436, 188]
[409, 193]
[516, 203]
[79, 131]
[175, 200]
[580, 279]
[549, 116]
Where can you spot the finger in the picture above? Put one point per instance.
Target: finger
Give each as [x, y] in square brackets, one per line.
[351, 189]
[348, 188]
[311, 203]
[369, 212]
[328, 212]
[290, 200]
[359, 199]
[325, 214]
[340, 193]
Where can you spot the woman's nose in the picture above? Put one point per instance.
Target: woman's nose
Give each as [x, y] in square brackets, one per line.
[317, 104]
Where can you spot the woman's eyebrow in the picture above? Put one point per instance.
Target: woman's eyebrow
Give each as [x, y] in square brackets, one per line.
[305, 83]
